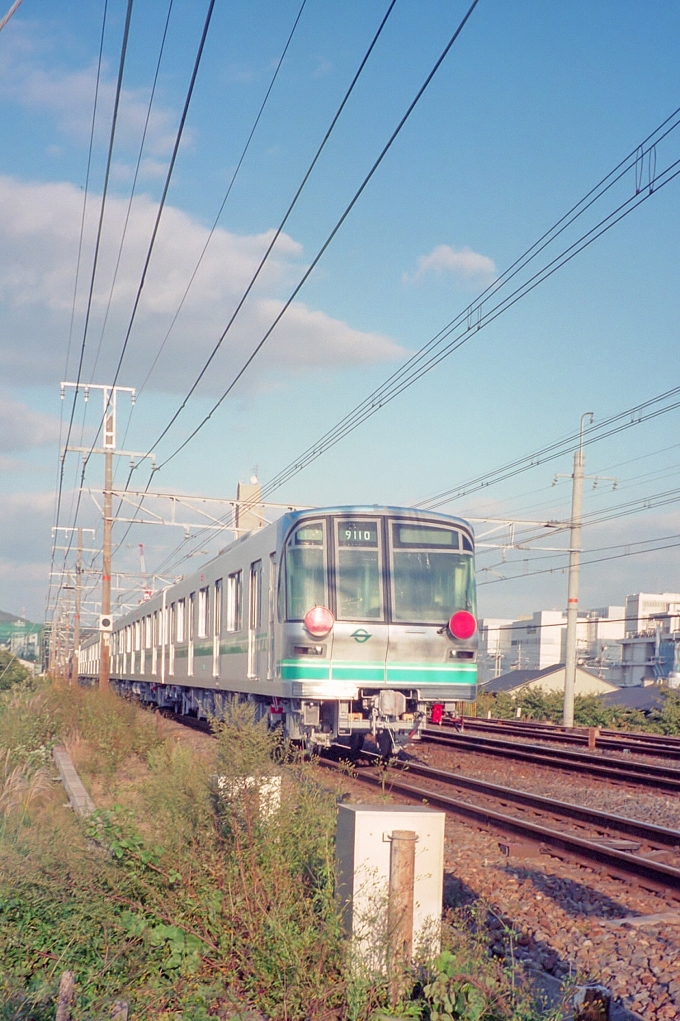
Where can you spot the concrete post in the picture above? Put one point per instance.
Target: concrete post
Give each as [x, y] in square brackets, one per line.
[574, 568]
[65, 996]
[400, 909]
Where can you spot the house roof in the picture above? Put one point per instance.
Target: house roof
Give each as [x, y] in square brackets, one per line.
[517, 678]
[638, 697]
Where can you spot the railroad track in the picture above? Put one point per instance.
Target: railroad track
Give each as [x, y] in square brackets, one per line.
[611, 740]
[621, 846]
[624, 770]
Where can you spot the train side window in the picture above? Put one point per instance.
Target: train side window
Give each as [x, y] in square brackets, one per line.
[217, 608]
[179, 620]
[235, 601]
[147, 631]
[202, 628]
[305, 570]
[255, 606]
[191, 613]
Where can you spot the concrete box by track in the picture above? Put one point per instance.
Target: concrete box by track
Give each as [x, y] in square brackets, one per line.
[363, 870]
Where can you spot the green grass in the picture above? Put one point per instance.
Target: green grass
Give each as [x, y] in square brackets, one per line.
[183, 896]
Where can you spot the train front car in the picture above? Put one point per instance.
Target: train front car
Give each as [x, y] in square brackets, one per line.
[377, 610]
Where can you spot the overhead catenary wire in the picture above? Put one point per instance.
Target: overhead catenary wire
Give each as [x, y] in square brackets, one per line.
[600, 430]
[133, 188]
[178, 137]
[213, 229]
[230, 186]
[472, 318]
[279, 229]
[584, 563]
[288, 212]
[258, 347]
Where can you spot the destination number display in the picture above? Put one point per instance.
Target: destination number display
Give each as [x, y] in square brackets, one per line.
[358, 533]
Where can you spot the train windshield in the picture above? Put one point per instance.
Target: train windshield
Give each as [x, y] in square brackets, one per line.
[432, 573]
[305, 570]
[359, 570]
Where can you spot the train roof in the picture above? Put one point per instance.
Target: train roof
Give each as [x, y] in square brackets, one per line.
[286, 520]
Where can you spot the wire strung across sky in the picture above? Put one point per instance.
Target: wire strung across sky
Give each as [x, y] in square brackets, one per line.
[474, 318]
[258, 347]
[161, 206]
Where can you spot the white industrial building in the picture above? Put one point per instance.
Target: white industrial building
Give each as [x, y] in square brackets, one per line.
[641, 606]
[651, 647]
[539, 641]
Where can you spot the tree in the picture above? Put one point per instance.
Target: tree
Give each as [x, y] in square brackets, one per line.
[12, 670]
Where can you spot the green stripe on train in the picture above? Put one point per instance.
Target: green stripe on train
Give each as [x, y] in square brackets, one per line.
[375, 672]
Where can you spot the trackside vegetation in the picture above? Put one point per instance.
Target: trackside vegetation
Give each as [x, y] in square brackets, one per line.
[536, 704]
[190, 893]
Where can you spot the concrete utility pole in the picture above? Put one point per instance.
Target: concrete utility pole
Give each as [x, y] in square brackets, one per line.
[79, 592]
[110, 400]
[574, 567]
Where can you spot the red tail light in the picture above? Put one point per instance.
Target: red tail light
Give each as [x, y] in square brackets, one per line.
[462, 624]
[319, 621]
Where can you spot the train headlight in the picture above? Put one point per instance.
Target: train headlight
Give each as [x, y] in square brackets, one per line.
[319, 621]
[462, 624]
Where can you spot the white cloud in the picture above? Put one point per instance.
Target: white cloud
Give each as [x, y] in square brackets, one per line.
[69, 94]
[463, 263]
[40, 224]
[21, 428]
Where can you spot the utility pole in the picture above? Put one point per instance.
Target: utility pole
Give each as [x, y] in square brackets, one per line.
[79, 592]
[574, 568]
[110, 400]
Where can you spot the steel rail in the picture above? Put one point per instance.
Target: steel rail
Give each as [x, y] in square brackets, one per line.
[605, 820]
[642, 744]
[630, 772]
[656, 875]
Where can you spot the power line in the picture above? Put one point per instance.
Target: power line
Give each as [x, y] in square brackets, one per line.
[133, 188]
[227, 193]
[277, 234]
[473, 318]
[168, 177]
[584, 563]
[286, 216]
[150, 248]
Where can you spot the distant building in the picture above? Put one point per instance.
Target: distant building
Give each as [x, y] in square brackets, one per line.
[641, 606]
[550, 679]
[494, 647]
[652, 654]
[536, 642]
[20, 636]
[539, 641]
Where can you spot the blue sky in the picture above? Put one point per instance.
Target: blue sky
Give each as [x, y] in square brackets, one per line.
[533, 105]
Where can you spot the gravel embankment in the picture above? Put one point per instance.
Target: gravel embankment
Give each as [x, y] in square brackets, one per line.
[655, 806]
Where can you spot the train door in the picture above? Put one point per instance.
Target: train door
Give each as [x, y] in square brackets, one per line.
[191, 627]
[256, 655]
[271, 651]
[217, 626]
[360, 632]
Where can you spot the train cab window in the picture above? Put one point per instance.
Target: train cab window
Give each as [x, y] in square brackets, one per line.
[430, 576]
[202, 627]
[305, 570]
[235, 601]
[179, 621]
[358, 570]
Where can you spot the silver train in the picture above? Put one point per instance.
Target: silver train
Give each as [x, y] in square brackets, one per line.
[336, 622]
